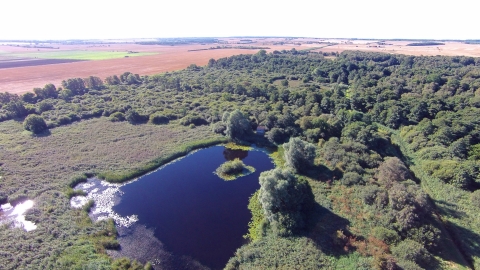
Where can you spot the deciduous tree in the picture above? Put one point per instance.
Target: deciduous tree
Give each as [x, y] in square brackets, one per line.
[299, 155]
[238, 126]
[285, 200]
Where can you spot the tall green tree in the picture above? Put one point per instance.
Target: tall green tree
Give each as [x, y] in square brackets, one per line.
[299, 155]
[285, 200]
[238, 126]
[76, 85]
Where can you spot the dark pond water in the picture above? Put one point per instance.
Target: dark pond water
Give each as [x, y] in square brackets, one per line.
[191, 210]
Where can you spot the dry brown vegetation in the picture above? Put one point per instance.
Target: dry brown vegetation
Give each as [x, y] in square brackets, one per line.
[400, 47]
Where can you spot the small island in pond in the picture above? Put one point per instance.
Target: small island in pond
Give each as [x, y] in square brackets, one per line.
[233, 169]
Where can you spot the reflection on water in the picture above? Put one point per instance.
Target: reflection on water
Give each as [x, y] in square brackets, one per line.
[105, 195]
[16, 215]
[181, 215]
[231, 154]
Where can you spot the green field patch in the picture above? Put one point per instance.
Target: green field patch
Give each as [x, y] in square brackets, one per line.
[79, 55]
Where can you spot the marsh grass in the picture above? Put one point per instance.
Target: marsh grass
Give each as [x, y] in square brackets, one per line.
[234, 146]
[46, 168]
[74, 192]
[277, 156]
[157, 162]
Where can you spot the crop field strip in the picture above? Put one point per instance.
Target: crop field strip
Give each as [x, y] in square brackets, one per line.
[79, 55]
[24, 79]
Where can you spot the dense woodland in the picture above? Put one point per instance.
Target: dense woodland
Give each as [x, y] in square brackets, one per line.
[377, 161]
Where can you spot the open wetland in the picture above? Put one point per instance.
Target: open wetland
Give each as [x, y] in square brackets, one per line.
[182, 213]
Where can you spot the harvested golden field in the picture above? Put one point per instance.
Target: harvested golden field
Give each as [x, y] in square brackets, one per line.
[400, 47]
[38, 72]
[23, 79]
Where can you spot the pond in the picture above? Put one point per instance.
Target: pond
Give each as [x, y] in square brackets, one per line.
[192, 211]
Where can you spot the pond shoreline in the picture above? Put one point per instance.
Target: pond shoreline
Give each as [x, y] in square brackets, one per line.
[109, 202]
[158, 162]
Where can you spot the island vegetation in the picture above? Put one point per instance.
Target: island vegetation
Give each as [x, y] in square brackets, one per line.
[377, 156]
[233, 169]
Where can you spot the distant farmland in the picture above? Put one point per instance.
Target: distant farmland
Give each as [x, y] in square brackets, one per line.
[150, 59]
[23, 68]
[78, 55]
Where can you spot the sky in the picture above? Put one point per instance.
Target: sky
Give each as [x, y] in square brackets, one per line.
[107, 19]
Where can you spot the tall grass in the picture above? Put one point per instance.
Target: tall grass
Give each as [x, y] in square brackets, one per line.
[154, 164]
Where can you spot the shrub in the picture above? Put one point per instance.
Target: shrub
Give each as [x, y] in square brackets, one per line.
[277, 135]
[35, 124]
[369, 194]
[29, 97]
[73, 117]
[133, 116]
[475, 198]
[63, 120]
[386, 235]
[409, 250]
[313, 135]
[117, 117]
[392, 170]
[193, 119]
[427, 235]
[44, 106]
[351, 178]
[219, 128]
[231, 167]
[158, 119]
[15, 109]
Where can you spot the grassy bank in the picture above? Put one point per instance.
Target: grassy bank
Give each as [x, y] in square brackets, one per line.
[157, 162]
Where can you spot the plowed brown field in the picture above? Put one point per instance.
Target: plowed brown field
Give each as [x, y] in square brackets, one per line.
[169, 58]
[23, 79]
